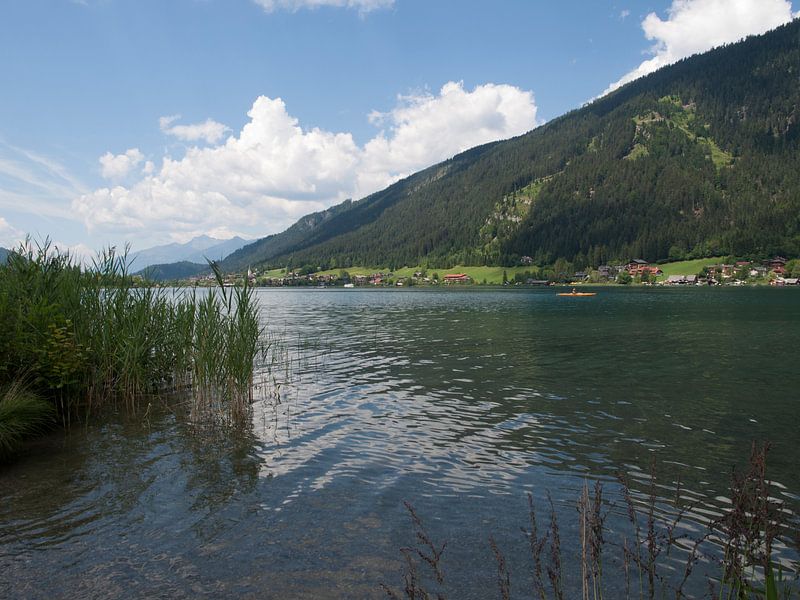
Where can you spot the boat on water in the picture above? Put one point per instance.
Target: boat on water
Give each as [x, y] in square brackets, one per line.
[576, 294]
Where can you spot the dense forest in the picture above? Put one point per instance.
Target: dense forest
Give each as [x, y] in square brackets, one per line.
[701, 158]
[179, 270]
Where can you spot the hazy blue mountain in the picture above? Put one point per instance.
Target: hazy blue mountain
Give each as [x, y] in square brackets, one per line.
[194, 251]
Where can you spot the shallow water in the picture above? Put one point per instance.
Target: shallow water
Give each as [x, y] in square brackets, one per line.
[458, 401]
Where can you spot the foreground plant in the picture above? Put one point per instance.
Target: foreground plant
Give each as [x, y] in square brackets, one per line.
[89, 338]
[737, 549]
[22, 414]
[748, 532]
[430, 554]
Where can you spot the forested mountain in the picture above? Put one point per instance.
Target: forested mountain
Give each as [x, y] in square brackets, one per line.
[172, 271]
[700, 158]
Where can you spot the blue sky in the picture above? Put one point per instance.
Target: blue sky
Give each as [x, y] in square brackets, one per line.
[152, 121]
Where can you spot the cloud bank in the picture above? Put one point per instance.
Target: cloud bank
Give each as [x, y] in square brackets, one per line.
[208, 131]
[274, 171]
[35, 185]
[363, 6]
[10, 236]
[119, 166]
[694, 26]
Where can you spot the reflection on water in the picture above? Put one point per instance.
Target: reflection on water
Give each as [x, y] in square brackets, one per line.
[458, 401]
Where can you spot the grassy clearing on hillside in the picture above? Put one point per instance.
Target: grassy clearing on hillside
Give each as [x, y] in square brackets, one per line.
[492, 275]
[688, 267]
[674, 113]
[273, 273]
[353, 271]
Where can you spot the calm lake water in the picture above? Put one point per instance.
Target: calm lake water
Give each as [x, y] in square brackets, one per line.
[458, 401]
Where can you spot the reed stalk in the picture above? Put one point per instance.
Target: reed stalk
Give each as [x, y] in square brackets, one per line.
[22, 414]
[738, 547]
[87, 338]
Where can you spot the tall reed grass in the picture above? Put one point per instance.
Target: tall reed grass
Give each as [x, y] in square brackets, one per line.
[22, 414]
[85, 338]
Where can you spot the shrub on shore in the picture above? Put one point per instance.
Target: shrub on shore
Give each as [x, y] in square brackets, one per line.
[87, 338]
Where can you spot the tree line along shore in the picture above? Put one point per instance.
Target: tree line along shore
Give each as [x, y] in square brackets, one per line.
[729, 271]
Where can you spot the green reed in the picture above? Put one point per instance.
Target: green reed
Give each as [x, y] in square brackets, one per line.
[87, 338]
[22, 414]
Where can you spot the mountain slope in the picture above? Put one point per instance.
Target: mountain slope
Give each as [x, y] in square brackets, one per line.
[700, 158]
[174, 271]
[195, 250]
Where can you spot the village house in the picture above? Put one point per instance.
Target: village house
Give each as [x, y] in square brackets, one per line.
[681, 280]
[457, 278]
[641, 267]
[777, 265]
[782, 281]
[605, 271]
[636, 263]
[776, 262]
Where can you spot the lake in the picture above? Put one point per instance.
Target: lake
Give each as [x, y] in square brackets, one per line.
[459, 401]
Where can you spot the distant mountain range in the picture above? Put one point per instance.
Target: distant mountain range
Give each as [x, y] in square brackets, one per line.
[193, 251]
[701, 158]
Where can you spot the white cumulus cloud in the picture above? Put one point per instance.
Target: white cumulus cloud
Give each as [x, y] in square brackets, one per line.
[694, 26]
[119, 166]
[273, 171]
[363, 6]
[424, 129]
[209, 131]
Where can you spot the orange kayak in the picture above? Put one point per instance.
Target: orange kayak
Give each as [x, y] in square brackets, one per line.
[578, 294]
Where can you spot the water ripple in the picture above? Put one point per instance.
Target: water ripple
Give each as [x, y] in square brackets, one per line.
[456, 401]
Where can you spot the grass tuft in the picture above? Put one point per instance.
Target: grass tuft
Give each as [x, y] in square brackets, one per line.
[22, 414]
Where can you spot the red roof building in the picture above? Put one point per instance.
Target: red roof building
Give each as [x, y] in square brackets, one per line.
[457, 278]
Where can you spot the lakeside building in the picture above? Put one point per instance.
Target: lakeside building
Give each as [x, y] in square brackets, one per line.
[641, 267]
[457, 278]
[681, 280]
